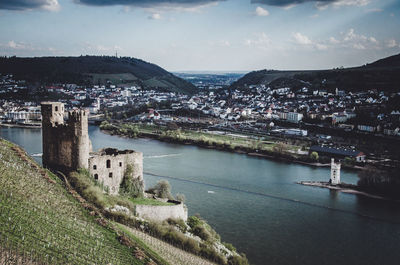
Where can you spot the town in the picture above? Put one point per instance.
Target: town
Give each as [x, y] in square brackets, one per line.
[333, 122]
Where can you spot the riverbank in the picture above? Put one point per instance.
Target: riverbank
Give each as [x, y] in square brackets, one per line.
[241, 144]
[33, 126]
[345, 188]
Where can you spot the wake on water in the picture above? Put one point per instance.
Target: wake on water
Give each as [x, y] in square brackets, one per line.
[162, 156]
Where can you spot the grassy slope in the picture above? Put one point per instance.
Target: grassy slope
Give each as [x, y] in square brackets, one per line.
[94, 69]
[41, 221]
[382, 74]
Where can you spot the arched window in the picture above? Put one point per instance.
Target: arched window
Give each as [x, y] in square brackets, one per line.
[96, 177]
[108, 163]
[94, 167]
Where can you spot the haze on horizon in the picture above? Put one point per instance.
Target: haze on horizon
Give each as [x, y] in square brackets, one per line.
[206, 35]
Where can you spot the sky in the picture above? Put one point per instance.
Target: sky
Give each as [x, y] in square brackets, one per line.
[206, 35]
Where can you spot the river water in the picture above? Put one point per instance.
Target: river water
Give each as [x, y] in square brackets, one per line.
[256, 205]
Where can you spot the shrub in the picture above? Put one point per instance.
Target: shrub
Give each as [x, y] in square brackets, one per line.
[194, 221]
[229, 246]
[201, 232]
[95, 195]
[162, 190]
[178, 223]
[314, 156]
[211, 254]
[180, 197]
[238, 260]
[131, 186]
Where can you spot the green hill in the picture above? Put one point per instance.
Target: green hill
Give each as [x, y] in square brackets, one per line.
[383, 75]
[42, 223]
[95, 70]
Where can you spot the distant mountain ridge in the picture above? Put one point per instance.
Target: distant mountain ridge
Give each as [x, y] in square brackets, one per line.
[95, 70]
[383, 74]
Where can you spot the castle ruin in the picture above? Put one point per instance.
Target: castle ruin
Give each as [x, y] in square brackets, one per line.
[67, 147]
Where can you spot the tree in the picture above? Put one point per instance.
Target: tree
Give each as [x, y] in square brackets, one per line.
[314, 156]
[180, 197]
[162, 189]
[280, 148]
[131, 186]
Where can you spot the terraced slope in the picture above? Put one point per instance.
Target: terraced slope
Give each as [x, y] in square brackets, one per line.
[41, 223]
[170, 253]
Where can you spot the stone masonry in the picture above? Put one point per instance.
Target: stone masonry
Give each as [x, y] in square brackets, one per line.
[67, 147]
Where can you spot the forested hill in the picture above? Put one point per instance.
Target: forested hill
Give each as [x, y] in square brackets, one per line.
[383, 74]
[95, 70]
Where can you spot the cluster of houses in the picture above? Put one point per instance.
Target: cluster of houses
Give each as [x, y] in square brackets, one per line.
[336, 109]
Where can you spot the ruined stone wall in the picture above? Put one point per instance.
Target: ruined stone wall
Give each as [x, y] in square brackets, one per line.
[162, 213]
[108, 167]
[66, 145]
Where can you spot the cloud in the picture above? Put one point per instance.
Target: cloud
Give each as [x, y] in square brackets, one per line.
[178, 5]
[320, 4]
[154, 16]
[351, 39]
[305, 41]
[392, 43]
[261, 12]
[333, 40]
[23, 48]
[261, 41]
[301, 39]
[50, 5]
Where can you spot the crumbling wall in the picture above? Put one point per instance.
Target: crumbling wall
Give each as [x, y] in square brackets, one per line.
[162, 213]
[109, 165]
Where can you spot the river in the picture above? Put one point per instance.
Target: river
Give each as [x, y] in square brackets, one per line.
[255, 203]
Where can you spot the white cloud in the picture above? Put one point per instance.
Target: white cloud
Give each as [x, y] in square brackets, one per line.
[18, 46]
[322, 5]
[333, 40]
[359, 41]
[154, 16]
[261, 11]
[301, 39]
[261, 41]
[392, 43]
[52, 5]
[321, 47]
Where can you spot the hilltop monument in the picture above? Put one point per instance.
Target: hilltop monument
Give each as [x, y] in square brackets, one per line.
[67, 147]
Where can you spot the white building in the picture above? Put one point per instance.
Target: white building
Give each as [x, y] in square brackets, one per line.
[335, 172]
[294, 117]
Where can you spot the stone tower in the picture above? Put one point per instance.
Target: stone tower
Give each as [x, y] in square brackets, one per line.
[335, 172]
[66, 145]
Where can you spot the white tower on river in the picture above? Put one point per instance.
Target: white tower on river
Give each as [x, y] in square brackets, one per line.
[335, 172]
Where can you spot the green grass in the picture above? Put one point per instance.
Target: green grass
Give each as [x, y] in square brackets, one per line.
[146, 201]
[215, 139]
[42, 220]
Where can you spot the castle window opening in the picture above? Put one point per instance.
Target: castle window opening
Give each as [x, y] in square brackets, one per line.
[96, 176]
[108, 163]
[56, 108]
[94, 167]
[110, 175]
[120, 164]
